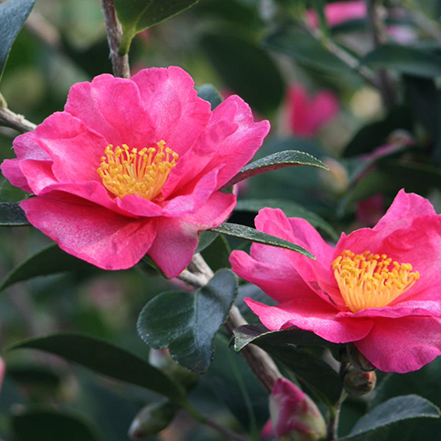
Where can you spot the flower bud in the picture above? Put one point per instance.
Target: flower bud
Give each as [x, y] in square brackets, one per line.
[152, 419]
[295, 417]
[358, 360]
[358, 383]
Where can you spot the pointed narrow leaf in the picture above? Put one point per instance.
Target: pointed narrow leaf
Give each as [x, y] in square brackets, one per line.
[49, 260]
[13, 14]
[291, 209]
[187, 323]
[106, 359]
[250, 234]
[258, 334]
[393, 411]
[405, 59]
[49, 425]
[288, 158]
[11, 215]
[137, 15]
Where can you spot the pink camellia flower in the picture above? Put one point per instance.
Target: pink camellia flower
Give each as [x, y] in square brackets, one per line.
[134, 166]
[339, 12]
[293, 414]
[307, 114]
[378, 288]
[2, 372]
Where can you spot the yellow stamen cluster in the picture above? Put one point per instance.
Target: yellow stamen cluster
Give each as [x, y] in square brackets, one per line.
[142, 172]
[371, 280]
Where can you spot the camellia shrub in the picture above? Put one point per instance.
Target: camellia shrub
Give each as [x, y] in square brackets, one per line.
[234, 207]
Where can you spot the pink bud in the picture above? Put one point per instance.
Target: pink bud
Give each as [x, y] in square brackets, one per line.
[294, 415]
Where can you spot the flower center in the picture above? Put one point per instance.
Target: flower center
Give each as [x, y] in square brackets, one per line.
[143, 172]
[371, 281]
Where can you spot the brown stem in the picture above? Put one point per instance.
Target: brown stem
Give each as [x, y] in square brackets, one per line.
[262, 365]
[378, 35]
[334, 414]
[344, 56]
[120, 63]
[17, 122]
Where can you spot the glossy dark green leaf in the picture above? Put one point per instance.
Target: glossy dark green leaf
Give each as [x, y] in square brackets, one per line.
[246, 69]
[258, 334]
[394, 411]
[137, 15]
[106, 359]
[206, 238]
[243, 232]
[305, 49]
[276, 161]
[13, 14]
[209, 93]
[217, 255]
[405, 59]
[291, 209]
[49, 425]
[11, 215]
[49, 260]
[288, 348]
[187, 323]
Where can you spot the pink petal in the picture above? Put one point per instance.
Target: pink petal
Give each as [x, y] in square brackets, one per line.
[26, 148]
[113, 107]
[412, 308]
[402, 345]
[230, 139]
[75, 150]
[272, 271]
[90, 232]
[193, 198]
[313, 315]
[177, 238]
[315, 273]
[307, 114]
[171, 101]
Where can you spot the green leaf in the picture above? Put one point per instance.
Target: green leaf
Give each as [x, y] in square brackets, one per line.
[393, 411]
[276, 161]
[187, 323]
[305, 49]
[321, 378]
[247, 70]
[217, 255]
[106, 359]
[258, 334]
[137, 15]
[291, 209]
[49, 260]
[11, 215]
[209, 93]
[13, 14]
[9, 193]
[49, 425]
[250, 234]
[206, 238]
[405, 59]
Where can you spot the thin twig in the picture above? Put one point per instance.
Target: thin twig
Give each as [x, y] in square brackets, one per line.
[378, 35]
[334, 414]
[120, 63]
[262, 365]
[15, 121]
[343, 55]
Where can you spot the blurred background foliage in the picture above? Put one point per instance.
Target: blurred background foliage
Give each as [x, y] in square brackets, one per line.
[280, 56]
